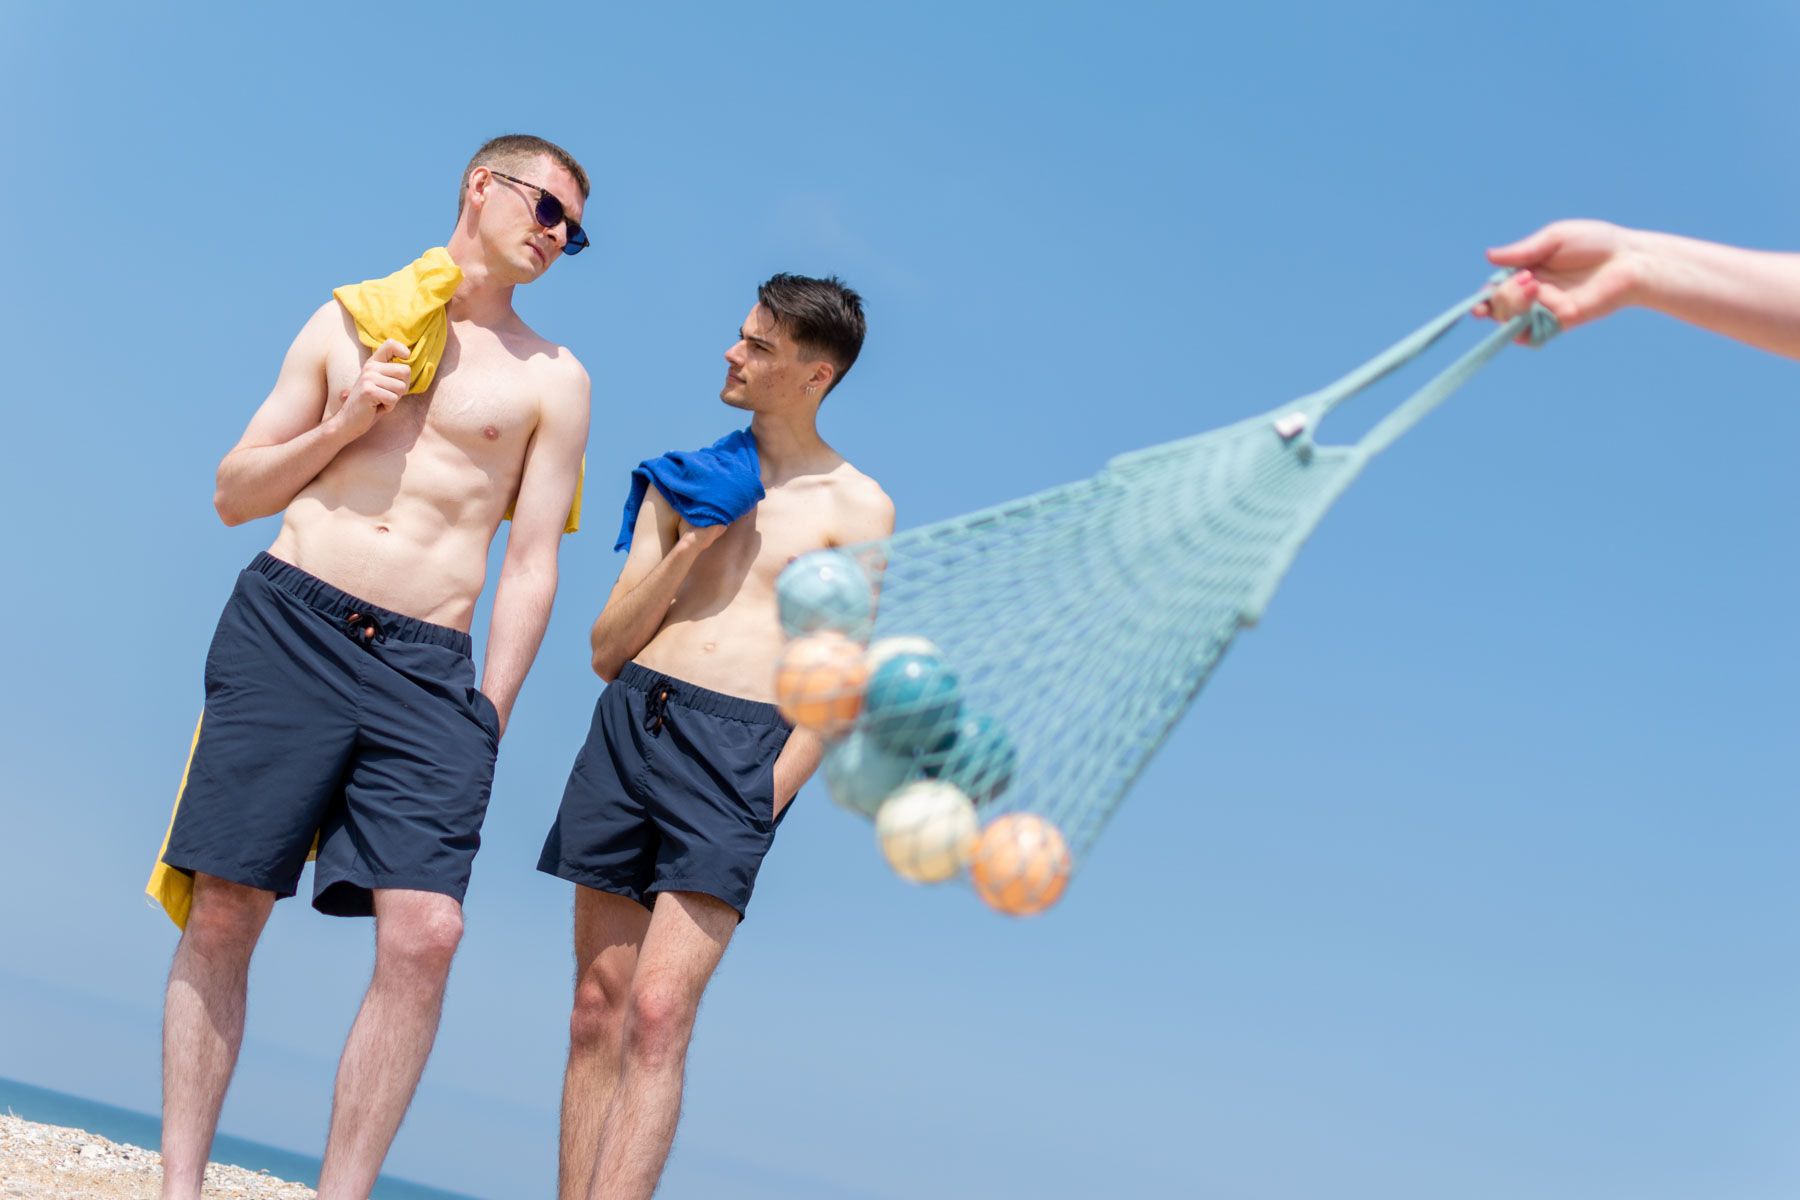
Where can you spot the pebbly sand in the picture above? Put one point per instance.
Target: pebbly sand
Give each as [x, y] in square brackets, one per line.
[56, 1163]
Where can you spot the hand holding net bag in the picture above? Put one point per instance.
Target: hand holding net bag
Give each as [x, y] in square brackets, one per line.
[1024, 662]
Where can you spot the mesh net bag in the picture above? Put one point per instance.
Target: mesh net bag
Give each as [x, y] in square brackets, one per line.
[990, 686]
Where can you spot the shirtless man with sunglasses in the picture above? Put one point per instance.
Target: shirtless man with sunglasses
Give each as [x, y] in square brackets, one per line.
[341, 698]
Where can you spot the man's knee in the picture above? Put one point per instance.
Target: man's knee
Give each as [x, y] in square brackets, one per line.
[421, 940]
[597, 1020]
[225, 917]
[660, 1021]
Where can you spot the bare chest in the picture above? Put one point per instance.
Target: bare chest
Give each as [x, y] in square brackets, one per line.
[785, 525]
[481, 401]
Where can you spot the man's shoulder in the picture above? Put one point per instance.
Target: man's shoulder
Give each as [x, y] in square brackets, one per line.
[865, 510]
[554, 361]
[330, 322]
[856, 487]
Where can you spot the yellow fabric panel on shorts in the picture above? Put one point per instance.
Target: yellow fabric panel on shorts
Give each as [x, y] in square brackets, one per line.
[173, 889]
[169, 887]
[412, 306]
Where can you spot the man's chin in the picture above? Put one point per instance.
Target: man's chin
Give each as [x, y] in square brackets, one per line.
[733, 399]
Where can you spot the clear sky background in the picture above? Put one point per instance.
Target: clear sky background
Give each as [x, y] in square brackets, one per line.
[1471, 873]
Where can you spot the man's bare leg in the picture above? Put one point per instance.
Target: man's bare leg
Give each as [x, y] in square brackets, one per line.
[203, 1023]
[416, 934]
[609, 930]
[687, 937]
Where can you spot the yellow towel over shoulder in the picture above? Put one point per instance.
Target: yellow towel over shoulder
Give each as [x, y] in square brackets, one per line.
[411, 306]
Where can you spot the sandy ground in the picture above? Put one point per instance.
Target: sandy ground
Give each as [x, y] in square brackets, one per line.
[70, 1164]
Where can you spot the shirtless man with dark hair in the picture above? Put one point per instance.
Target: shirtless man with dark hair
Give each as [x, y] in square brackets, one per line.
[341, 699]
[688, 767]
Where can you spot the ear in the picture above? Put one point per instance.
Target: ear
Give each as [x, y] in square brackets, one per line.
[480, 180]
[819, 382]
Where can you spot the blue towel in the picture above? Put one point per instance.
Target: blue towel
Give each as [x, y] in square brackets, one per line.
[714, 486]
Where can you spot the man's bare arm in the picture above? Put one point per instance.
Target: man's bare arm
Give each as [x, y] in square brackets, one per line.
[663, 550]
[528, 575]
[1584, 270]
[868, 518]
[290, 440]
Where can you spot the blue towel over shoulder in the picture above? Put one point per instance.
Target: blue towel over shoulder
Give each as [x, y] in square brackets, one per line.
[713, 486]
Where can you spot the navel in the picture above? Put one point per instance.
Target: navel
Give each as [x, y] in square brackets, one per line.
[381, 529]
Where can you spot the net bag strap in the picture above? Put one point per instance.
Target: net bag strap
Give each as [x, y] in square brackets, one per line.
[1537, 324]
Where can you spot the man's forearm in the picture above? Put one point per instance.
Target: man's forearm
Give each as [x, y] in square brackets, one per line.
[258, 481]
[522, 602]
[1750, 295]
[627, 624]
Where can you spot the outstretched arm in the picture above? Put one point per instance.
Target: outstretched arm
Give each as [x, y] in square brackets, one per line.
[663, 550]
[1584, 270]
[527, 584]
[869, 518]
[290, 439]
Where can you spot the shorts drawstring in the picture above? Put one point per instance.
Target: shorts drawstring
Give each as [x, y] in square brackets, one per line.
[362, 628]
[656, 709]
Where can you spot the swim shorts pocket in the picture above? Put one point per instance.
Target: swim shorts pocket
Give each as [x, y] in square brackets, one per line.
[486, 712]
[762, 804]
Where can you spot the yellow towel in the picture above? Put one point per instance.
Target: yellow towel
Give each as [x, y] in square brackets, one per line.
[411, 306]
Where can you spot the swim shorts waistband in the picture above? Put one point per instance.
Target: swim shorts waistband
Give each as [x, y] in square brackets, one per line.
[343, 607]
[687, 695]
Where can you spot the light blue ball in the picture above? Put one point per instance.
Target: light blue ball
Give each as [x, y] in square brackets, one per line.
[826, 589]
[977, 757]
[859, 774]
[911, 703]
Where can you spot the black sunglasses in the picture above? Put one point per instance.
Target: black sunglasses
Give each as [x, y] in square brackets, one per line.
[550, 214]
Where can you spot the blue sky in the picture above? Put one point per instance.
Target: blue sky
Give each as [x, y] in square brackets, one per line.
[1471, 872]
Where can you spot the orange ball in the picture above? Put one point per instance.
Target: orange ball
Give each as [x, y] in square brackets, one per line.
[1021, 864]
[819, 682]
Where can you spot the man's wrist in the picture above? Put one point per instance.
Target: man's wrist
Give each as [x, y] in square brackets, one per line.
[1647, 259]
[335, 430]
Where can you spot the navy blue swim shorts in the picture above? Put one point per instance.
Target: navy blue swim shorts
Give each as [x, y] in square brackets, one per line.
[674, 791]
[331, 718]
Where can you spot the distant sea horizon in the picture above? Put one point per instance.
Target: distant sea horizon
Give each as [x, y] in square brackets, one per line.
[48, 1107]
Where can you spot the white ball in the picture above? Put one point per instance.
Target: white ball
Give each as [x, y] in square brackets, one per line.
[927, 830]
[887, 647]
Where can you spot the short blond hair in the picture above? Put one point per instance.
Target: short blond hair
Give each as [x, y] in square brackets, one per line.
[513, 151]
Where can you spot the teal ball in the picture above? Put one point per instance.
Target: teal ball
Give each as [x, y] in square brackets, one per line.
[859, 774]
[911, 703]
[826, 589]
[977, 757]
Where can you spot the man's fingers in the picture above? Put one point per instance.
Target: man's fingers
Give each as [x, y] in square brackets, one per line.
[389, 350]
[1527, 252]
[391, 370]
[1566, 307]
[1512, 297]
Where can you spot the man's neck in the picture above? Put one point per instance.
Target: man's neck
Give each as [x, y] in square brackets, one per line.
[789, 443]
[479, 297]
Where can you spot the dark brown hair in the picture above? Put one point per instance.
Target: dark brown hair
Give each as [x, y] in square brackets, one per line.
[822, 315]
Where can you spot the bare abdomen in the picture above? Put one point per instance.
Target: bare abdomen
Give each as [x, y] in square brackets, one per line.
[415, 554]
[733, 651]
